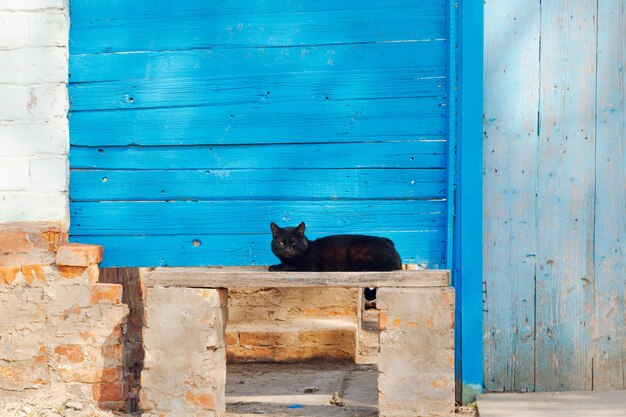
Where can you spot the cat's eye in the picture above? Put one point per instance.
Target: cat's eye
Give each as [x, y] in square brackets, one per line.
[281, 243]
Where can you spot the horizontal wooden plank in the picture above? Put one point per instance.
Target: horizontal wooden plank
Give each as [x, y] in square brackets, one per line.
[421, 59]
[223, 217]
[325, 121]
[93, 10]
[257, 184]
[410, 154]
[142, 28]
[211, 25]
[237, 249]
[260, 277]
[326, 93]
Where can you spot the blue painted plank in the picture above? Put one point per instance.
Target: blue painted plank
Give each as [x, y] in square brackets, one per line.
[565, 196]
[468, 265]
[609, 337]
[346, 121]
[257, 184]
[223, 217]
[421, 59]
[417, 154]
[285, 25]
[94, 10]
[510, 166]
[82, 10]
[310, 90]
[236, 249]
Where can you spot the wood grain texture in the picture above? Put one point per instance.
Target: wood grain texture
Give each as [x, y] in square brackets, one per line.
[259, 277]
[579, 281]
[92, 10]
[424, 59]
[408, 154]
[565, 196]
[510, 164]
[609, 318]
[208, 217]
[193, 121]
[345, 121]
[284, 90]
[275, 184]
[267, 24]
[425, 247]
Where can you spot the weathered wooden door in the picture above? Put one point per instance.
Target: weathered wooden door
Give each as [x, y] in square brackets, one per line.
[194, 124]
[555, 195]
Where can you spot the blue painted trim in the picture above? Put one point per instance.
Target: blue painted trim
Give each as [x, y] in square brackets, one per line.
[467, 270]
[452, 127]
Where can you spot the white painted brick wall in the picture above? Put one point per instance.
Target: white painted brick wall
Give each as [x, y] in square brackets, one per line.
[33, 111]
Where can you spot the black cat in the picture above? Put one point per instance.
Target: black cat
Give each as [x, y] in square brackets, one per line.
[331, 253]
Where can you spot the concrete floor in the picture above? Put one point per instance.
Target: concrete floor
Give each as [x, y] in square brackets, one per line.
[553, 404]
[271, 389]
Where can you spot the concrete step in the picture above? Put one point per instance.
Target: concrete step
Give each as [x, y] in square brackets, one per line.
[553, 404]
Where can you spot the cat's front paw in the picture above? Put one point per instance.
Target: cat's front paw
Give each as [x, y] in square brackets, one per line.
[281, 267]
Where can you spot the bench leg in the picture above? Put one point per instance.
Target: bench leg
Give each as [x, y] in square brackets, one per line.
[185, 357]
[416, 359]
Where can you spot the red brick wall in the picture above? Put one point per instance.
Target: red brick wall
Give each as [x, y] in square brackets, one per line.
[61, 330]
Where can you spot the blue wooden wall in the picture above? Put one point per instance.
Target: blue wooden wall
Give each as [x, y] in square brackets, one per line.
[194, 124]
[555, 195]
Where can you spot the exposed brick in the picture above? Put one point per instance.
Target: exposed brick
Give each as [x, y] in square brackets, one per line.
[232, 338]
[92, 374]
[42, 357]
[106, 293]
[93, 272]
[78, 254]
[204, 400]
[253, 353]
[71, 353]
[27, 243]
[108, 392]
[266, 338]
[331, 312]
[71, 272]
[307, 353]
[8, 274]
[33, 273]
[382, 320]
[23, 345]
[327, 337]
[20, 376]
[113, 351]
[14, 241]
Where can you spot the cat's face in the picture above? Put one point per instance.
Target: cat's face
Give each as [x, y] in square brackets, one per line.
[288, 242]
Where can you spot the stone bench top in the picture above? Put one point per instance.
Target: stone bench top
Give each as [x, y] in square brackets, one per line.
[240, 277]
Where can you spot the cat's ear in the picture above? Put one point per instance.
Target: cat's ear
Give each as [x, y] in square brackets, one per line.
[274, 228]
[300, 229]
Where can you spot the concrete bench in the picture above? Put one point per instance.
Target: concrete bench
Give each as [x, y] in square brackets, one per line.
[186, 314]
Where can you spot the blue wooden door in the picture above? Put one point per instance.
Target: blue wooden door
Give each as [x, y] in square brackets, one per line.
[194, 124]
